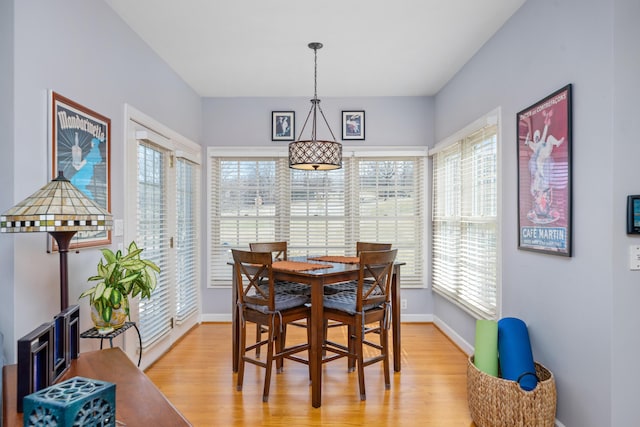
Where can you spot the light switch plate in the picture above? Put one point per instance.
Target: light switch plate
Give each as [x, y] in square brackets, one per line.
[634, 257]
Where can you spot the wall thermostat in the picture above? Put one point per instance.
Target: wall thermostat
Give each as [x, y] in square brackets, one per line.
[633, 214]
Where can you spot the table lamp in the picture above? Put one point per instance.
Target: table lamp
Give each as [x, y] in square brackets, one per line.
[61, 210]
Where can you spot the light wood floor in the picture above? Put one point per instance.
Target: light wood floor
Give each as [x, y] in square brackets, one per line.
[430, 390]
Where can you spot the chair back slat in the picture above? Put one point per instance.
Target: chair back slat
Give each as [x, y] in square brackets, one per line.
[370, 246]
[252, 268]
[277, 249]
[377, 268]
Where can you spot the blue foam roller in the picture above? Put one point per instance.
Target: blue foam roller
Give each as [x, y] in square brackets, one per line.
[514, 352]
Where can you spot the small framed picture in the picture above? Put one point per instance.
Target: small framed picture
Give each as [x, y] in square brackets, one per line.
[353, 125]
[283, 125]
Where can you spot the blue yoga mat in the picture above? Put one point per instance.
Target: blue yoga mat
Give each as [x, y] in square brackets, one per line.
[514, 352]
[486, 349]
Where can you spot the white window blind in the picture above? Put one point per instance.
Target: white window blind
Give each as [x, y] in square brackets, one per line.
[464, 221]
[152, 235]
[316, 212]
[317, 219]
[186, 241]
[245, 206]
[389, 207]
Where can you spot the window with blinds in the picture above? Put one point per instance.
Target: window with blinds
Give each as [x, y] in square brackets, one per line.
[153, 236]
[186, 241]
[316, 212]
[465, 223]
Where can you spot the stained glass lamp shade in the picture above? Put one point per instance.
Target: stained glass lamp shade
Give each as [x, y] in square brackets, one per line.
[61, 210]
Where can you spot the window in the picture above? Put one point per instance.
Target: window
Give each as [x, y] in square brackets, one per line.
[374, 198]
[464, 220]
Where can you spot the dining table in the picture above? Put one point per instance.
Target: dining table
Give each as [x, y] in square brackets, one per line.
[335, 272]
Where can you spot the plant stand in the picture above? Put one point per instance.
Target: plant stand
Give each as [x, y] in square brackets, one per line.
[94, 333]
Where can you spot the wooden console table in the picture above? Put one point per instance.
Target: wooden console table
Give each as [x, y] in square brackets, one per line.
[138, 400]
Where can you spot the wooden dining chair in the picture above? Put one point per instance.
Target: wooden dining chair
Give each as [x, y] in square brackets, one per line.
[351, 285]
[263, 306]
[367, 313]
[278, 252]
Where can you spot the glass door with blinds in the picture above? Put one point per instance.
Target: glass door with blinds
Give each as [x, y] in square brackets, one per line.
[153, 234]
[164, 210]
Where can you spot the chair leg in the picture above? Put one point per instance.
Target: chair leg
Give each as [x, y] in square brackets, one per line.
[269, 366]
[325, 335]
[259, 332]
[384, 343]
[241, 358]
[282, 343]
[360, 363]
[351, 343]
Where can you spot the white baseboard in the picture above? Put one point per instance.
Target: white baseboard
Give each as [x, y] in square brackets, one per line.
[453, 336]
[226, 317]
[416, 318]
[216, 318]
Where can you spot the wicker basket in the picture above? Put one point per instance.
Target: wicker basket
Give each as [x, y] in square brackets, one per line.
[496, 402]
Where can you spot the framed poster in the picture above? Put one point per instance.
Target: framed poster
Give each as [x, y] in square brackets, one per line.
[352, 125]
[544, 175]
[81, 149]
[283, 125]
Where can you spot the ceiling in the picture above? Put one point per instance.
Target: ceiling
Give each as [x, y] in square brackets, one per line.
[240, 48]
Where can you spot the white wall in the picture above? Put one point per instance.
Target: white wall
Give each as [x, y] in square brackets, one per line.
[6, 170]
[581, 311]
[85, 52]
[625, 284]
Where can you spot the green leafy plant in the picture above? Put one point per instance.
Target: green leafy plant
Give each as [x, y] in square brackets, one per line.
[120, 277]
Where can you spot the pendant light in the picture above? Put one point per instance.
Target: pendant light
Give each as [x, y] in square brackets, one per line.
[314, 154]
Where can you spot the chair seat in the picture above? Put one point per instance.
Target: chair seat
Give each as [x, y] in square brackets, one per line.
[292, 287]
[286, 287]
[345, 301]
[283, 301]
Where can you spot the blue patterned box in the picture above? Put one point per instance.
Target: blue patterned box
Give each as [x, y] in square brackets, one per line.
[75, 402]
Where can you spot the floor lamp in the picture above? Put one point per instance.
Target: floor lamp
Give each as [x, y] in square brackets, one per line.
[61, 210]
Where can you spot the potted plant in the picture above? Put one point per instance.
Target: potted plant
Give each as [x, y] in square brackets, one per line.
[119, 277]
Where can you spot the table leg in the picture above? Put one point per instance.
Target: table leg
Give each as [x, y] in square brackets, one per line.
[315, 351]
[235, 327]
[395, 314]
